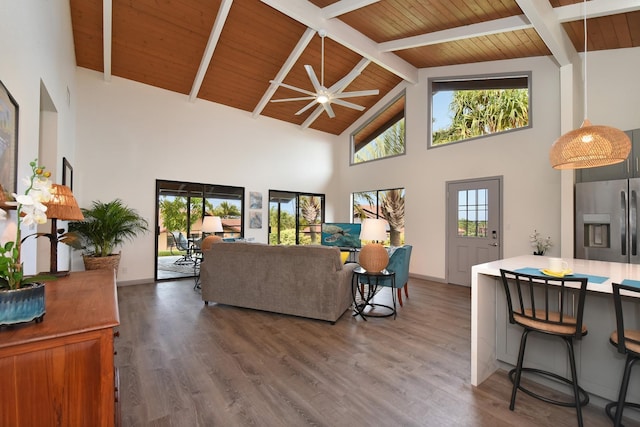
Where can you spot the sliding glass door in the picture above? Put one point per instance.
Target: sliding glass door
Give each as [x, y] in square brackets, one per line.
[180, 207]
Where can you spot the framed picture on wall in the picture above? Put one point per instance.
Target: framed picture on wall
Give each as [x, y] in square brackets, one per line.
[8, 140]
[67, 173]
[255, 200]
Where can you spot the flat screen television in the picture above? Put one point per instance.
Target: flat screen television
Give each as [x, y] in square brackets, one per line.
[341, 234]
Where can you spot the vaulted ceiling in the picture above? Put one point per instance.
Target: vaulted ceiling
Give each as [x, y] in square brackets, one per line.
[236, 52]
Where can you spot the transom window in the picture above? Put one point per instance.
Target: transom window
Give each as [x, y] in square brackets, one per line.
[463, 108]
[382, 136]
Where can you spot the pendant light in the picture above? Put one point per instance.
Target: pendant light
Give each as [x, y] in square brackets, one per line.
[589, 146]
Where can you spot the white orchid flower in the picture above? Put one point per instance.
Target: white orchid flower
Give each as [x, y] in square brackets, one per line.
[41, 190]
[33, 210]
[33, 214]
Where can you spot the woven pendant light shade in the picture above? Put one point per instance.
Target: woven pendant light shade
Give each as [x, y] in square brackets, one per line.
[589, 146]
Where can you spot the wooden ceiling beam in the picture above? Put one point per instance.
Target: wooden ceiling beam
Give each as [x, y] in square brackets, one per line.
[511, 23]
[344, 6]
[310, 15]
[284, 70]
[214, 37]
[543, 18]
[107, 18]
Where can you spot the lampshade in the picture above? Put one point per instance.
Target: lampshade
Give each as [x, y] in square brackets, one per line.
[211, 224]
[589, 146]
[4, 198]
[62, 204]
[373, 257]
[374, 229]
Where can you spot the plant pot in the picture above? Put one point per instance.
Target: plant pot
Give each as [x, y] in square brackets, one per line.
[22, 305]
[110, 262]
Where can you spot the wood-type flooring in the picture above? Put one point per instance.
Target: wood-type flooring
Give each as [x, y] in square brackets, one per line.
[182, 363]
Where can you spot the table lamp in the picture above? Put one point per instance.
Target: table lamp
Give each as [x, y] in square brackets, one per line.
[61, 206]
[211, 224]
[373, 257]
[4, 198]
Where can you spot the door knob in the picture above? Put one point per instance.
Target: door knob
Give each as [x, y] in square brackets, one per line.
[493, 244]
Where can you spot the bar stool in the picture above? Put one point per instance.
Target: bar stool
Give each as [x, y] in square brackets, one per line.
[539, 304]
[627, 341]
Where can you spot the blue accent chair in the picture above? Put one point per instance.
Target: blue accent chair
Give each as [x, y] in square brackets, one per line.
[399, 264]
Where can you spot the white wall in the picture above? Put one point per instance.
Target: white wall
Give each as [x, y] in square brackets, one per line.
[531, 188]
[613, 88]
[130, 134]
[37, 50]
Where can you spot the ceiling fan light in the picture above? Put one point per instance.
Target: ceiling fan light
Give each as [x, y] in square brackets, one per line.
[590, 146]
[322, 99]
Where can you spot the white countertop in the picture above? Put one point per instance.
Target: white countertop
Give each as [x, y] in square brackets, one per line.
[615, 271]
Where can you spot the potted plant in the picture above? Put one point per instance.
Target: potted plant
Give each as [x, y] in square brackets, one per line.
[539, 243]
[105, 227]
[22, 297]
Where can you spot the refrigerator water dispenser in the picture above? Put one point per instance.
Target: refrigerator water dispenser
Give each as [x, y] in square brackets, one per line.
[597, 230]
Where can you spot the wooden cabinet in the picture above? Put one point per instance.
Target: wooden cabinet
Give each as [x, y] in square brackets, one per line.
[61, 372]
[630, 168]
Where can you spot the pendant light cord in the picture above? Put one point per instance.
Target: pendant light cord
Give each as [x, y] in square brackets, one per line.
[584, 10]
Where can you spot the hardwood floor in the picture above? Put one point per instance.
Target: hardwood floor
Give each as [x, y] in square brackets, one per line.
[186, 364]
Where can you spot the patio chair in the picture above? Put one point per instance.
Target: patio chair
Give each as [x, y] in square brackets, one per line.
[183, 245]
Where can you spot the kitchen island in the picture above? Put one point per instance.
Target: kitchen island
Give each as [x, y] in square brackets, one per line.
[494, 342]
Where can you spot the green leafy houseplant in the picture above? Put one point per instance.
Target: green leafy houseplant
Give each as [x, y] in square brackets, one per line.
[107, 226]
[29, 211]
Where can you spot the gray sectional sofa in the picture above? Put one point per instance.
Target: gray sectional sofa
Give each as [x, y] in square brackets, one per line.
[307, 281]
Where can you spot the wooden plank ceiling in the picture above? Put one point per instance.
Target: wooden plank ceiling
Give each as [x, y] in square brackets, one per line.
[165, 43]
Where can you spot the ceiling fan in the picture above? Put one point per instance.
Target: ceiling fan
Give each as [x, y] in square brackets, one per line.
[326, 96]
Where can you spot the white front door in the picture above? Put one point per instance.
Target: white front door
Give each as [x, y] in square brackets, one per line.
[474, 226]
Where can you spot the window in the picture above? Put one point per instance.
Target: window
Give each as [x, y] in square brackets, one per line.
[473, 207]
[464, 108]
[179, 211]
[382, 136]
[295, 218]
[387, 204]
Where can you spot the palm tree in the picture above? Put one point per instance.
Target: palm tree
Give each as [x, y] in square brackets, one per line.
[310, 209]
[482, 112]
[226, 210]
[392, 207]
[389, 143]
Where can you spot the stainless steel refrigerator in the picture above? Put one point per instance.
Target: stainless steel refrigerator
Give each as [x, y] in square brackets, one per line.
[607, 220]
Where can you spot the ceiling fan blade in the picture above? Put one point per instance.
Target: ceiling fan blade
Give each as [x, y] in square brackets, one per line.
[329, 110]
[347, 104]
[314, 79]
[355, 93]
[297, 89]
[306, 107]
[302, 98]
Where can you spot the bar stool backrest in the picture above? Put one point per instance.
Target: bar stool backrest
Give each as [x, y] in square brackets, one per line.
[626, 341]
[546, 304]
